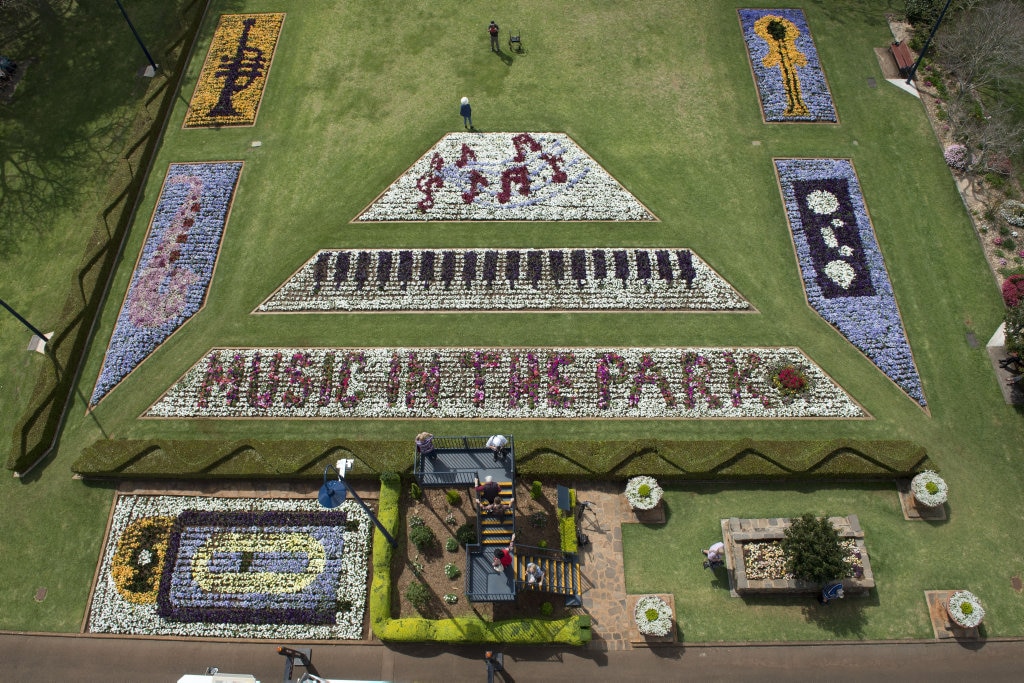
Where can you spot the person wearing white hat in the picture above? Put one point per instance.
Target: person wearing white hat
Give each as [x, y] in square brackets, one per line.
[467, 113]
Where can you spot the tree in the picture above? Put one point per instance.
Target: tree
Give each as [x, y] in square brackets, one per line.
[813, 551]
[1014, 330]
[983, 46]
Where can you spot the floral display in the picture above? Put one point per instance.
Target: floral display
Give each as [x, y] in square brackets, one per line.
[505, 279]
[653, 616]
[174, 270]
[965, 609]
[766, 561]
[643, 493]
[506, 177]
[843, 270]
[1012, 211]
[956, 156]
[929, 489]
[498, 382]
[789, 77]
[234, 75]
[233, 567]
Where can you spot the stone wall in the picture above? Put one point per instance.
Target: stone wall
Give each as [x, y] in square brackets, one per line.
[736, 532]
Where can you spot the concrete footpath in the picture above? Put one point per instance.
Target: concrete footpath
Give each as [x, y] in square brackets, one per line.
[85, 659]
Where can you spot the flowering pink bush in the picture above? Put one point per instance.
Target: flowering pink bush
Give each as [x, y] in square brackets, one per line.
[1013, 290]
[956, 156]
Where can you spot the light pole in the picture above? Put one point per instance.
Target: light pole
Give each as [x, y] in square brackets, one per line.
[32, 328]
[333, 493]
[913, 69]
[137, 37]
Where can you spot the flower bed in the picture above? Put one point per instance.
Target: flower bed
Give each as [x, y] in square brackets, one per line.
[175, 267]
[498, 382]
[765, 560]
[232, 567]
[234, 75]
[506, 176]
[965, 609]
[643, 492]
[843, 270]
[929, 489]
[790, 81]
[653, 616]
[505, 279]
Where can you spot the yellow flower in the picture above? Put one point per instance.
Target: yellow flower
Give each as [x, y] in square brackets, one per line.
[233, 77]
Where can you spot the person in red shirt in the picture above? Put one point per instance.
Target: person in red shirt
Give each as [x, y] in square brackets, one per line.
[493, 30]
[503, 556]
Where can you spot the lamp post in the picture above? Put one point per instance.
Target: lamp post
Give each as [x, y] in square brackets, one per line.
[137, 37]
[32, 328]
[913, 69]
[334, 491]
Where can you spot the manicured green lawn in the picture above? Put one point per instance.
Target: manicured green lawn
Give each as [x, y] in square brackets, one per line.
[660, 93]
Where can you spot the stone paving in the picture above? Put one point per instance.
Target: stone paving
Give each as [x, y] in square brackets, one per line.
[604, 596]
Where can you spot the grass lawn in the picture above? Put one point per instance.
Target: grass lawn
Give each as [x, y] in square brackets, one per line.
[661, 94]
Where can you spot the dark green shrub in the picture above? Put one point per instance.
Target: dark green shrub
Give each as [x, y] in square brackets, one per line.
[415, 491]
[416, 520]
[535, 490]
[546, 609]
[454, 498]
[813, 551]
[466, 534]
[452, 571]
[418, 595]
[922, 12]
[451, 545]
[539, 519]
[422, 537]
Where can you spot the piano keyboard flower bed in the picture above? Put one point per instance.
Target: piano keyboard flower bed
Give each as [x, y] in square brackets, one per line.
[253, 568]
[234, 75]
[504, 279]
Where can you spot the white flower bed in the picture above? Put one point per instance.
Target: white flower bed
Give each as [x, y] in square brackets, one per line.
[660, 624]
[499, 382]
[111, 613]
[637, 487]
[505, 279]
[965, 609]
[929, 488]
[506, 177]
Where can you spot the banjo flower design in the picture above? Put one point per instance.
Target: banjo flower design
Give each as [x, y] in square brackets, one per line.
[843, 270]
[506, 176]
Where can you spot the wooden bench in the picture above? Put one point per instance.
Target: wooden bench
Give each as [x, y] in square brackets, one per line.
[904, 58]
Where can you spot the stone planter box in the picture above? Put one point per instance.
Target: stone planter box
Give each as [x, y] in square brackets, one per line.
[637, 639]
[737, 532]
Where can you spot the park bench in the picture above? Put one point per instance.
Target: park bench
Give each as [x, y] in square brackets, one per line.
[904, 58]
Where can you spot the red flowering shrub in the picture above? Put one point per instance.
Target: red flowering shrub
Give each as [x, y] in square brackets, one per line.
[1013, 290]
[790, 380]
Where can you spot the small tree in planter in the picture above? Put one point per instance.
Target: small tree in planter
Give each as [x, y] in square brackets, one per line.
[813, 550]
[643, 493]
[929, 489]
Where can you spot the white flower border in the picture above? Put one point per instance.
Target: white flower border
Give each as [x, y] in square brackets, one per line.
[708, 291]
[638, 502]
[110, 613]
[589, 194]
[459, 389]
[661, 626]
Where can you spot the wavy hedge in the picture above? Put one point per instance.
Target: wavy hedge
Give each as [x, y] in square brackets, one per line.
[671, 460]
[574, 630]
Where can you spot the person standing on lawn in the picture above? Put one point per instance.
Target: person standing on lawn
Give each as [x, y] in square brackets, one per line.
[467, 113]
[493, 30]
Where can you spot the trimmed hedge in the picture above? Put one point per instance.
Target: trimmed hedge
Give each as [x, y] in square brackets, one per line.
[666, 460]
[38, 426]
[573, 630]
[567, 526]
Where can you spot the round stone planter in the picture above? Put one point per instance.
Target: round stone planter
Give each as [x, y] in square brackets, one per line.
[963, 596]
[928, 500]
[655, 515]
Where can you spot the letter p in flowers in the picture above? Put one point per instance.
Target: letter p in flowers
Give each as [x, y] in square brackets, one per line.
[781, 35]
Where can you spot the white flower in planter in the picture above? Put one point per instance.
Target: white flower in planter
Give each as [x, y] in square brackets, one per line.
[653, 616]
[965, 609]
[929, 489]
[643, 492]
